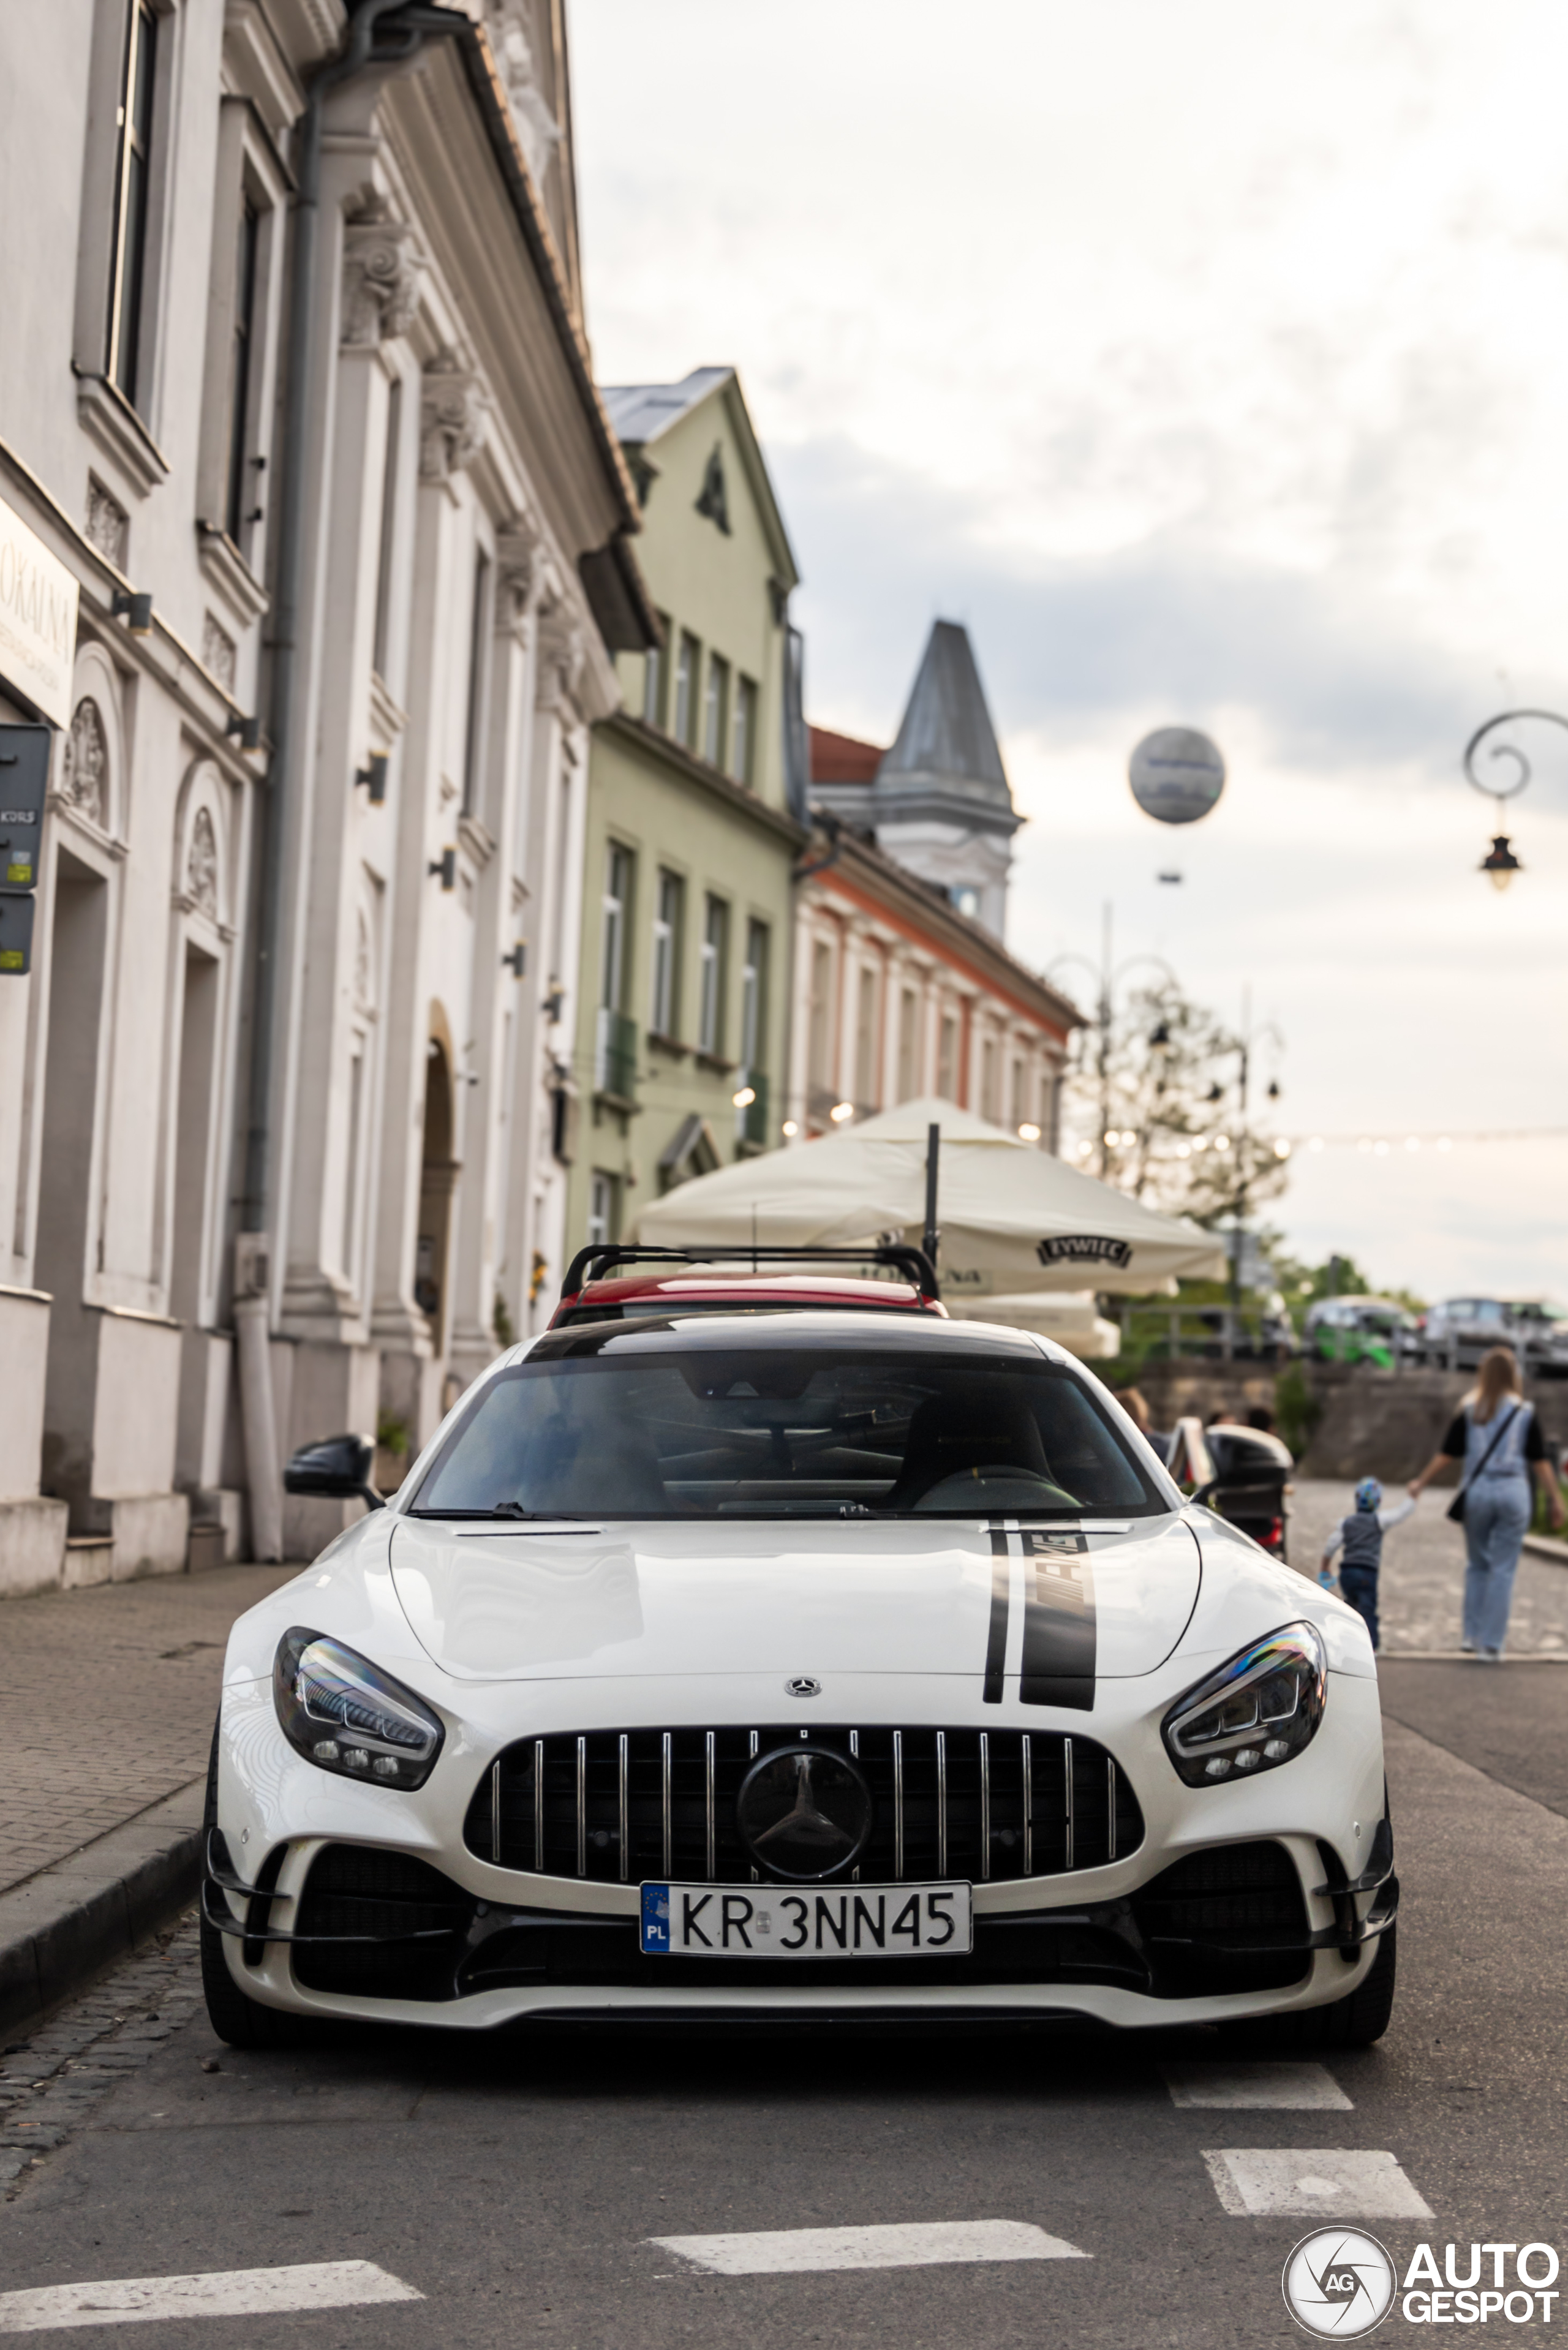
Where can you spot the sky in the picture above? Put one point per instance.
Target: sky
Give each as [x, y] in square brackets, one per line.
[1211, 364]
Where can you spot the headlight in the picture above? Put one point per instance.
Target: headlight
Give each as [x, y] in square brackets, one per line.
[1256, 1712]
[343, 1715]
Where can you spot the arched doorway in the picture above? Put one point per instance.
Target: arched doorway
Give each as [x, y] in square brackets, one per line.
[437, 1179]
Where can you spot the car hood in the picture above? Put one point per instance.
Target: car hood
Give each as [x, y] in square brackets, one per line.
[659, 1599]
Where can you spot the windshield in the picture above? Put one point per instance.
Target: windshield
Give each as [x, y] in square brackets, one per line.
[796, 1431]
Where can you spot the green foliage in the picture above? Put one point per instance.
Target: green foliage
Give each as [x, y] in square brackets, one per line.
[392, 1434]
[500, 1323]
[1337, 1276]
[1297, 1410]
[1165, 1081]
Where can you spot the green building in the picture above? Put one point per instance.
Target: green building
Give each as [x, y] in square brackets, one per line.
[695, 792]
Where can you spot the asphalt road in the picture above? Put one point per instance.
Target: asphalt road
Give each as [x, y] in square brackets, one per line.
[518, 2187]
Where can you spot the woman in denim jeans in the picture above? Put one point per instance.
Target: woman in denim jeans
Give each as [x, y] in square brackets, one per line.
[1496, 1435]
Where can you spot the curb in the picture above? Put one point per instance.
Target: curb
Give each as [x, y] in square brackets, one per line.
[72, 1920]
[1547, 1546]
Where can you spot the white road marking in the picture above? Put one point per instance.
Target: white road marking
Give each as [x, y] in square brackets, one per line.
[222, 2293]
[1298, 2088]
[922, 2244]
[1337, 2183]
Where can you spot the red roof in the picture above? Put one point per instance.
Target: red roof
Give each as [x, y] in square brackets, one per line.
[842, 758]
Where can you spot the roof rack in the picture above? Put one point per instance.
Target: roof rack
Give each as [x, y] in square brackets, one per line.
[593, 1263]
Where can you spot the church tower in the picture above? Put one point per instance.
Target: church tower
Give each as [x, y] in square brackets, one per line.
[940, 803]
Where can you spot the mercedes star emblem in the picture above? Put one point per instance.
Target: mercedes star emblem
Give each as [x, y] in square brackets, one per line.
[802, 1685]
[803, 1812]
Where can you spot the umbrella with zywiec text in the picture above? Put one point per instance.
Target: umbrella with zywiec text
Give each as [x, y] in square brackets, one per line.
[1012, 1219]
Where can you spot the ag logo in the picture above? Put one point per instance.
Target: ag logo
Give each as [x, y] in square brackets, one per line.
[1339, 2283]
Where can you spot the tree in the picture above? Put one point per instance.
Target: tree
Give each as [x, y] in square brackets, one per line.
[1165, 1087]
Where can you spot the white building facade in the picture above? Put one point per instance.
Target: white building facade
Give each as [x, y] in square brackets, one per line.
[295, 403]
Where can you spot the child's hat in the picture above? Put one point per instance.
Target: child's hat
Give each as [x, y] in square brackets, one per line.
[1368, 1494]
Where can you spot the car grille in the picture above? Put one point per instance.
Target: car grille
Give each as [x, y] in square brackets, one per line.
[618, 1806]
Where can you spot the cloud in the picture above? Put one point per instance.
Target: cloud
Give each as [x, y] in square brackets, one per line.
[1166, 626]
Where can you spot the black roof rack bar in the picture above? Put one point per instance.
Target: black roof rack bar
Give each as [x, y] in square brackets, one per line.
[592, 1264]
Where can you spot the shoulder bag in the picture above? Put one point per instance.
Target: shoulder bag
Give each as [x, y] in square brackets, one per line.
[1456, 1509]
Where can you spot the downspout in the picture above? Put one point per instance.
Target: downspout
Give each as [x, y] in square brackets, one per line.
[253, 1254]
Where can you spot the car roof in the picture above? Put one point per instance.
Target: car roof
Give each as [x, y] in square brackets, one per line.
[806, 1326]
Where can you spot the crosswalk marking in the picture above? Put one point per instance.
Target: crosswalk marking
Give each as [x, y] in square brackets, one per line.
[222, 2293]
[1281, 2088]
[1335, 2182]
[922, 2244]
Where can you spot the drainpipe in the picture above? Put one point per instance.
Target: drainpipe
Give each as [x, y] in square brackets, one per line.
[253, 1256]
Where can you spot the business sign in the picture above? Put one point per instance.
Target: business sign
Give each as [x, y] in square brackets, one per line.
[1085, 1248]
[17, 934]
[37, 620]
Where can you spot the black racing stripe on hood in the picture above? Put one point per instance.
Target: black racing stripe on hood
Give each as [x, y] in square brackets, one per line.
[996, 1637]
[1059, 1634]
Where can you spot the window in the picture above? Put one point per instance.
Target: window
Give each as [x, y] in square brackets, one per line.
[686, 661]
[388, 522]
[617, 915]
[753, 998]
[744, 730]
[603, 1220]
[819, 1070]
[653, 678]
[1048, 1109]
[711, 1009]
[665, 1010]
[967, 901]
[715, 703]
[1019, 1108]
[866, 1038]
[133, 183]
[240, 367]
[908, 1032]
[606, 1420]
[988, 1102]
[478, 667]
[947, 1057]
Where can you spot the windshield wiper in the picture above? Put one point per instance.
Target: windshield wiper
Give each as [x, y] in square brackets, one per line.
[500, 1510]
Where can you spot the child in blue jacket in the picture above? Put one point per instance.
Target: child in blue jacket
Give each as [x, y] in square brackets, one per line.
[1360, 1538]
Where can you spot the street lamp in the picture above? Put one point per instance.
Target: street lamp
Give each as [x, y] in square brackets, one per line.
[1501, 866]
[1106, 977]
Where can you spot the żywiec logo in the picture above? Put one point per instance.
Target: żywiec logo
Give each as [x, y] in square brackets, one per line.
[1083, 1248]
[1338, 2283]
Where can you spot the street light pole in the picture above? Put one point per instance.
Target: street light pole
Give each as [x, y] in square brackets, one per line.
[1106, 980]
[1500, 865]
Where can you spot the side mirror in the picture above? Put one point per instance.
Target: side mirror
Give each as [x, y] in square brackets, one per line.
[337, 1469]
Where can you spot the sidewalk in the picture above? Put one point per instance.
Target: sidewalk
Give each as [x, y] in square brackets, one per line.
[111, 1695]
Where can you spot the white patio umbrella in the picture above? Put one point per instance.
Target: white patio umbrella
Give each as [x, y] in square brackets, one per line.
[1012, 1219]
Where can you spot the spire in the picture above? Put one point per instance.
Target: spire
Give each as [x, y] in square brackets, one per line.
[946, 760]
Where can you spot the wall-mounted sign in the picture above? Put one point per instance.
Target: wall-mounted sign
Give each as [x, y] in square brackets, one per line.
[17, 934]
[24, 780]
[37, 620]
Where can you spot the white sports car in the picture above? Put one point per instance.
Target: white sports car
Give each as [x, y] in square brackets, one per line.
[808, 1667]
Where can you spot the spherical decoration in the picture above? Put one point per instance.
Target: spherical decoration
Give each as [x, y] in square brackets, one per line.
[1177, 774]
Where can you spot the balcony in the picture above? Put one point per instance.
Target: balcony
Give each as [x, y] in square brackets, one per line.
[614, 1059]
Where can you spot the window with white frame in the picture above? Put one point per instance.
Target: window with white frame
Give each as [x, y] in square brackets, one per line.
[380, 642]
[664, 1007]
[618, 871]
[868, 997]
[132, 201]
[715, 705]
[604, 1218]
[242, 356]
[478, 681]
[711, 999]
[908, 1037]
[653, 677]
[819, 1050]
[744, 730]
[947, 1057]
[753, 998]
[989, 1105]
[687, 660]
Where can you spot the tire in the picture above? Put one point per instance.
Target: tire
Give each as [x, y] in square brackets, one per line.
[1362, 2015]
[243, 2023]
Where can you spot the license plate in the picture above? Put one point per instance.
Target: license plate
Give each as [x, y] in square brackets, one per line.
[775, 1921]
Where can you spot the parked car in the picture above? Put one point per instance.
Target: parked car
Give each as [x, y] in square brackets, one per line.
[1456, 1334]
[800, 1667]
[690, 1282]
[1362, 1330]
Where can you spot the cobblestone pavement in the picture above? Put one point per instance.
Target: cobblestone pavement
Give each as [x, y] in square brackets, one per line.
[51, 2080]
[1424, 1571]
[111, 1695]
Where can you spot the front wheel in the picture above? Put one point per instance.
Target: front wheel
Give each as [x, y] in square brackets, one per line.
[1354, 2022]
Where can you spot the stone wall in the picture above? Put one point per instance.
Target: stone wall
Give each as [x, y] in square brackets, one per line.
[1375, 1423]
